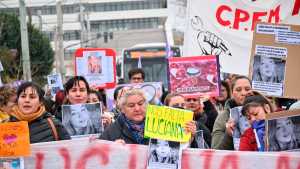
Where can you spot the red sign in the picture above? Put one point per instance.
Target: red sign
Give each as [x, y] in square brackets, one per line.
[194, 75]
[97, 65]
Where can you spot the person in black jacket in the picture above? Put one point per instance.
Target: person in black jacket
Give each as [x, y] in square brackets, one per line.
[129, 126]
[43, 127]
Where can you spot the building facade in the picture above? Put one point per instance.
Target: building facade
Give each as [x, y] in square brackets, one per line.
[115, 24]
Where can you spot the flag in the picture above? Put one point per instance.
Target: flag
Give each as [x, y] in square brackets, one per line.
[140, 62]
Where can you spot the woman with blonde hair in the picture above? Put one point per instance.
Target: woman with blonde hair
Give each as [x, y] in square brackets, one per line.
[7, 101]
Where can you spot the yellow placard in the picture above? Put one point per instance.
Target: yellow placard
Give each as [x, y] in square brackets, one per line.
[167, 123]
[14, 139]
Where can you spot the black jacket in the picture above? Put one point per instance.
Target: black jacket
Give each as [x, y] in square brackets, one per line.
[119, 130]
[40, 130]
[206, 135]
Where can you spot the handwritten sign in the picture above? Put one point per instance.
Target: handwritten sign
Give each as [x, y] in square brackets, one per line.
[167, 123]
[14, 139]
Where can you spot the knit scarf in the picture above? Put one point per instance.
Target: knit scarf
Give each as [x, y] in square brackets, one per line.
[4, 117]
[136, 129]
[27, 117]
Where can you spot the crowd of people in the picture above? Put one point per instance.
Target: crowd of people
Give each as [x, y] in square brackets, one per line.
[125, 122]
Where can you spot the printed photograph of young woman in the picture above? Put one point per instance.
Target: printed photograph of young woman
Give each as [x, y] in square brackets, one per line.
[94, 64]
[282, 136]
[82, 119]
[268, 69]
[163, 154]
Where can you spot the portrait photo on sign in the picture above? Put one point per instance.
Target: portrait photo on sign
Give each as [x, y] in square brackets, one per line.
[268, 69]
[82, 119]
[164, 154]
[94, 64]
[11, 163]
[283, 132]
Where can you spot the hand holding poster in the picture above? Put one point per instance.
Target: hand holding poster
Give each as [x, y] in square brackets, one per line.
[167, 123]
[14, 139]
[55, 83]
[194, 75]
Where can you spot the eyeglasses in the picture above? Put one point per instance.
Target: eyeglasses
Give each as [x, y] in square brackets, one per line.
[136, 78]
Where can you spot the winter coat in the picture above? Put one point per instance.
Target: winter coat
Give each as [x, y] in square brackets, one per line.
[119, 130]
[206, 135]
[220, 139]
[248, 141]
[211, 115]
[41, 131]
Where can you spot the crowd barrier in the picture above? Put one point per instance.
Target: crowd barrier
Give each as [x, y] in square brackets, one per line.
[82, 154]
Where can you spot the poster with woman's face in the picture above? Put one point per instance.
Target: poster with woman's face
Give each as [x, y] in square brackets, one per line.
[269, 70]
[82, 119]
[164, 154]
[284, 133]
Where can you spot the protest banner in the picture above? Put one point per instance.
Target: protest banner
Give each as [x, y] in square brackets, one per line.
[83, 154]
[283, 131]
[82, 119]
[274, 63]
[97, 65]
[225, 28]
[55, 83]
[194, 75]
[14, 139]
[167, 123]
[152, 90]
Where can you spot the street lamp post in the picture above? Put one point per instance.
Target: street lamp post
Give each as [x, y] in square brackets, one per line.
[24, 41]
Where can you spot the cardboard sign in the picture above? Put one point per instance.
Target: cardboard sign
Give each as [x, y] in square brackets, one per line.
[167, 123]
[55, 83]
[194, 75]
[283, 131]
[225, 28]
[14, 139]
[97, 65]
[274, 63]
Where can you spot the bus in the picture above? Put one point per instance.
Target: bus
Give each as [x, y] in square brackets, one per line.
[153, 59]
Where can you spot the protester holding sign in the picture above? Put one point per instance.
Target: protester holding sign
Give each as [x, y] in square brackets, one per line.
[7, 101]
[223, 127]
[76, 92]
[129, 127]
[178, 101]
[42, 126]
